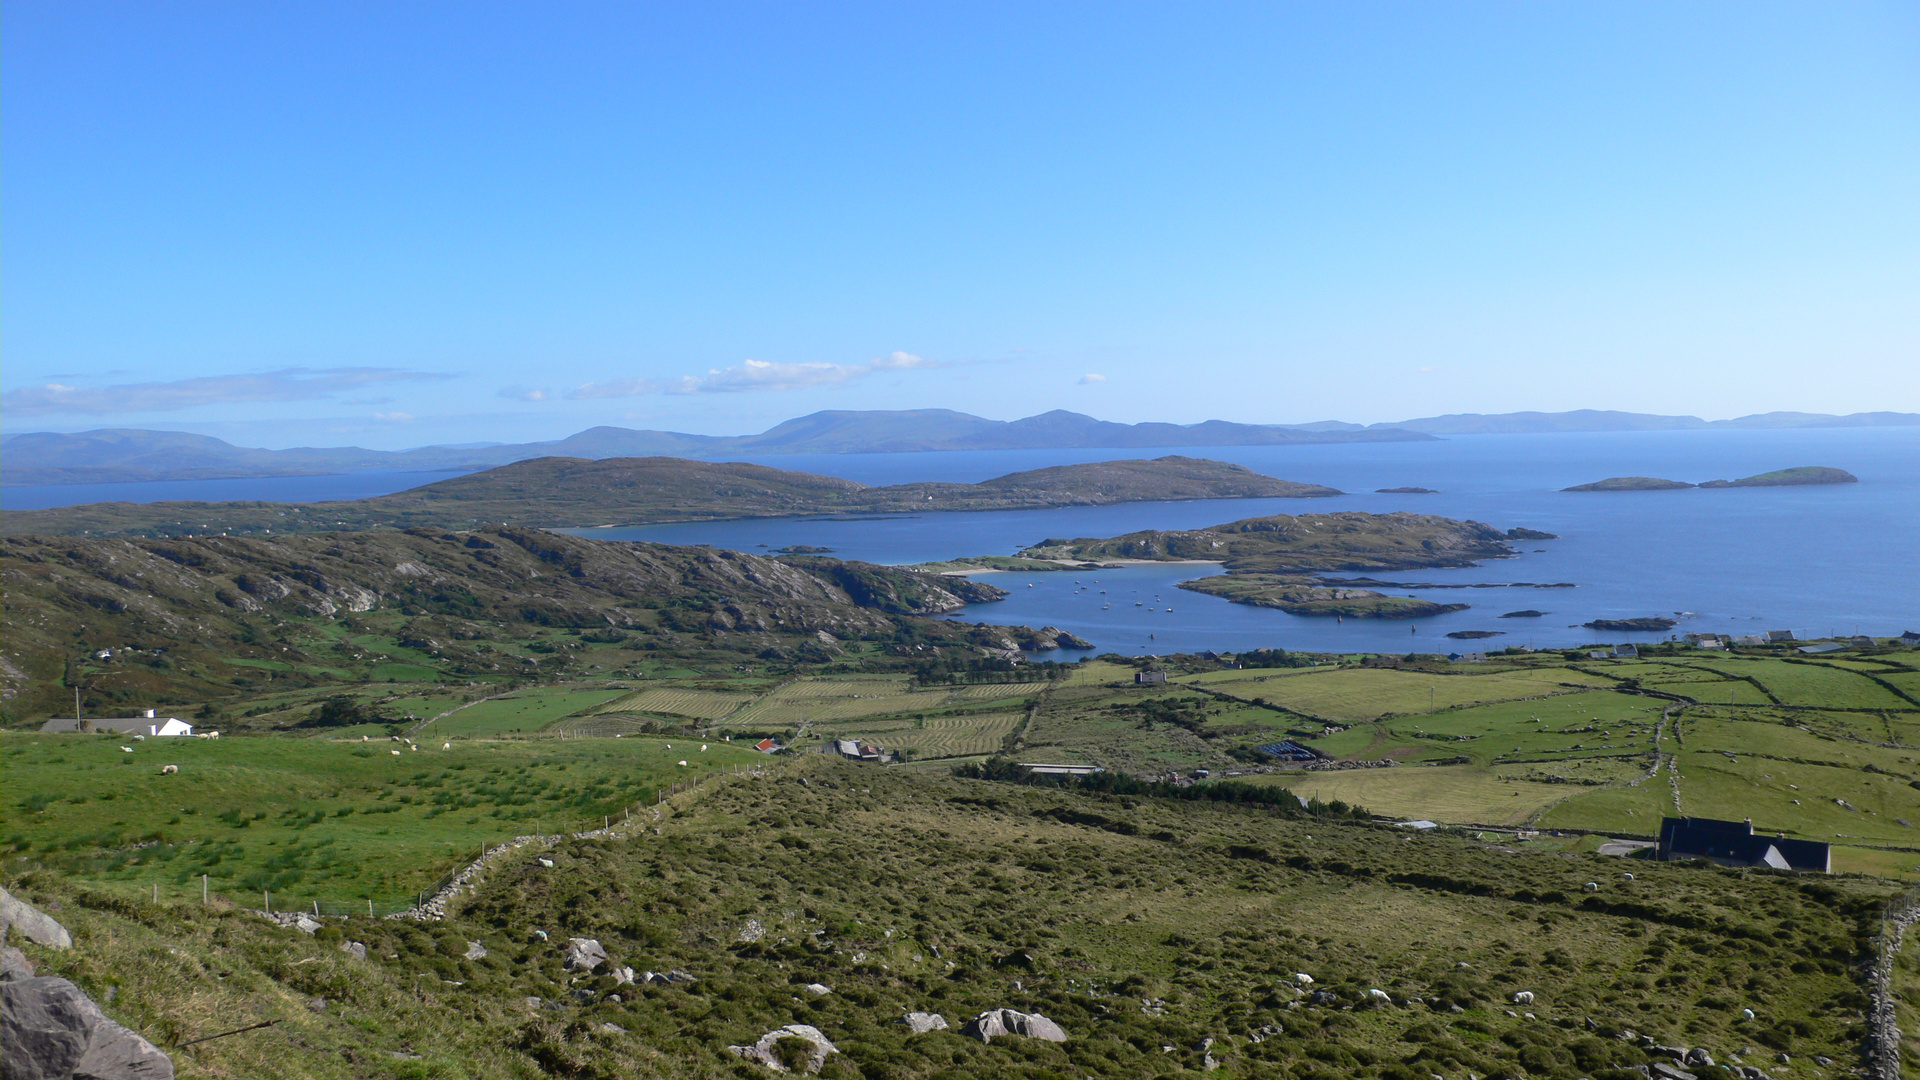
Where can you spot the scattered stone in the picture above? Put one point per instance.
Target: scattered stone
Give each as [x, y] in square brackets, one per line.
[920, 1023]
[668, 979]
[622, 976]
[819, 989]
[766, 1050]
[1664, 1071]
[583, 996]
[752, 932]
[584, 954]
[476, 951]
[355, 949]
[1012, 1022]
[612, 1028]
[318, 1004]
[1697, 1058]
[1323, 997]
[50, 1029]
[305, 923]
[1823, 1061]
[37, 926]
[14, 964]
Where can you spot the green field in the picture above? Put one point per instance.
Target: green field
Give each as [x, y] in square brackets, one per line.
[1351, 694]
[520, 714]
[309, 819]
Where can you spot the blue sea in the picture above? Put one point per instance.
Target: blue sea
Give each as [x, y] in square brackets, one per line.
[1818, 561]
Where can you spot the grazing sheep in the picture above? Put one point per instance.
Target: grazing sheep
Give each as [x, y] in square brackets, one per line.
[169, 770]
[683, 761]
[395, 753]
[1523, 997]
[446, 746]
[1746, 1014]
[139, 738]
[1303, 978]
[1626, 877]
[1378, 994]
[703, 748]
[1591, 886]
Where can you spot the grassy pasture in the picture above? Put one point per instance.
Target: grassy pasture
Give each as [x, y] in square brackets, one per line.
[956, 736]
[1814, 684]
[308, 818]
[1549, 726]
[677, 701]
[1354, 694]
[519, 714]
[1440, 793]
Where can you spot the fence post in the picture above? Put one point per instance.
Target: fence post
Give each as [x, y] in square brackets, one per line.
[369, 907]
[267, 901]
[203, 889]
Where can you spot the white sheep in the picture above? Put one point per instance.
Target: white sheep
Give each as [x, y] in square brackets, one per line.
[1523, 997]
[1746, 1014]
[1378, 994]
[126, 749]
[1303, 978]
[1626, 877]
[139, 738]
[169, 770]
[683, 761]
[395, 753]
[1591, 886]
[446, 746]
[703, 748]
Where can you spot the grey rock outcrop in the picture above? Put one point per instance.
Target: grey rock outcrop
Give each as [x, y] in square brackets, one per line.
[819, 989]
[1012, 1022]
[584, 954]
[475, 951]
[920, 1023]
[53, 1031]
[764, 1050]
[355, 949]
[19, 917]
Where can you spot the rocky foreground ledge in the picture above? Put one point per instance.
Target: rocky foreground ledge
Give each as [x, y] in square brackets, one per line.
[50, 1028]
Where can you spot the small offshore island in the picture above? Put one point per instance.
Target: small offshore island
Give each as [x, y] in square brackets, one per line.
[1279, 561]
[1795, 477]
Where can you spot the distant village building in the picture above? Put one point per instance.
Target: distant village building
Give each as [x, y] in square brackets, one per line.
[1822, 647]
[1628, 651]
[1705, 641]
[1749, 639]
[857, 750]
[769, 746]
[157, 726]
[1779, 635]
[1910, 637]
[1466, 658]
[1149, 678]
[1860, 641]
[1288, 750]
[1734, 843]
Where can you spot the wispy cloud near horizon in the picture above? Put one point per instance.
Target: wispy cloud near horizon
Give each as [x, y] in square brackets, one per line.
[288, 384]
[755, 375]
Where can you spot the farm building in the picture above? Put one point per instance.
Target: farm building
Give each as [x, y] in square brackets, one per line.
[858, 750]
[1822, 647]
[1734, 843]
[769, 746]
[1626, 651]
[1149, 678]
[158, 726]
[1749, 639]
[1705, 641]
[1466, 658]
[1288, 750]
[1860, 641]
[1041, 768]
[1779, 635]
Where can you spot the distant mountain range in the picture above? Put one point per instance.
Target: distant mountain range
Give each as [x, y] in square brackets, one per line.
[123, 455]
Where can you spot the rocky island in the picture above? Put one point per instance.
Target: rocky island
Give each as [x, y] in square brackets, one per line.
[1794, 477]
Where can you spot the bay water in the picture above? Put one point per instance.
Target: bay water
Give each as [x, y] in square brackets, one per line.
[1818, 560]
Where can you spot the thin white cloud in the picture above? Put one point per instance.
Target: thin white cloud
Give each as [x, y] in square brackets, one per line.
[291, 384]
[1091, 378]
[524, 393]
[756, 375]
[393, 417]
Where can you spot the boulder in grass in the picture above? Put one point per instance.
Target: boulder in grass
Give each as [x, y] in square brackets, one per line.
[1012, 1022]
[51, 1029]
[355, 949]
[19, 917]
[475, 951]
[794, 1048]
[14, 964]
[920, 1023]
[584, 954]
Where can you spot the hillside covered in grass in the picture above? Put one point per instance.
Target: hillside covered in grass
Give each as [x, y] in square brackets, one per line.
[1157, 933]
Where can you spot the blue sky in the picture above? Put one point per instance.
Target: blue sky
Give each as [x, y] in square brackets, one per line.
[394, 224]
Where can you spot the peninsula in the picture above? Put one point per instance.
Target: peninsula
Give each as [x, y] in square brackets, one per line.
[579, 493]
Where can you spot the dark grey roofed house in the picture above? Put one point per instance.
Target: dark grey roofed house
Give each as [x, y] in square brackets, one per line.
[1779, 635]
[1861, 641]
[1909, 636]
[1734, 843]
[1626, 650]
[1149, 678]
[1822, 647]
